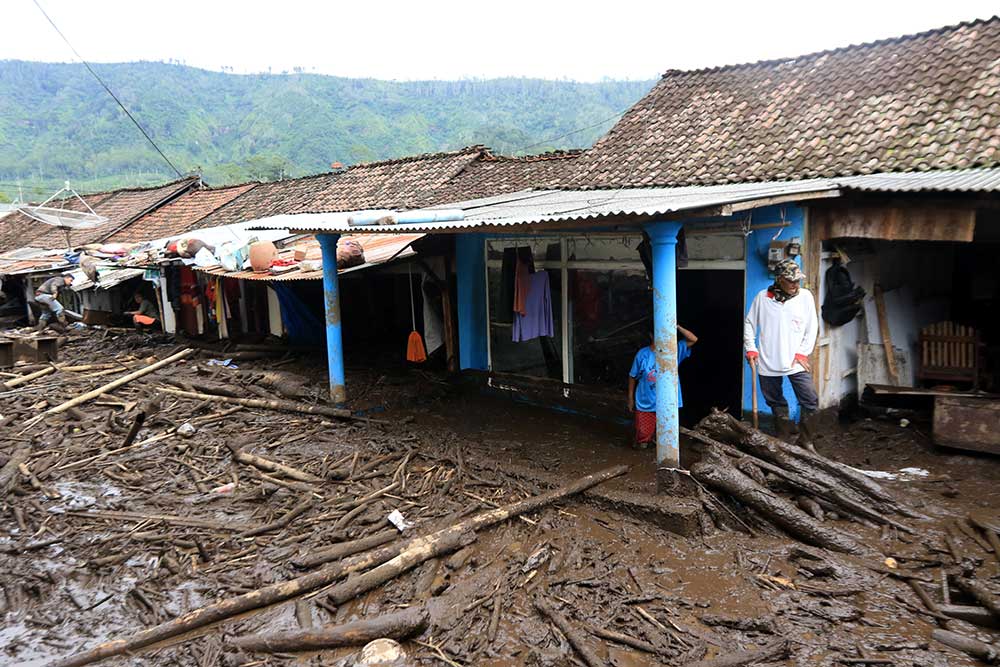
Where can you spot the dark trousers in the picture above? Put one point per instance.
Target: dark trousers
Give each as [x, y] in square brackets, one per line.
[802, 385]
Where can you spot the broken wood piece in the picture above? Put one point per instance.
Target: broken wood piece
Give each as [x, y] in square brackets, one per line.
[271, 466]
[9, 472]
[397, 625]
[981, 595]
[970, 532]
[285, 590]
[988, 653]
[773, 652]
[114, 384]
[344, 549]
[302, 507]
[626, 640]
[23, 379]
[572, 635]
[281, 406]
[972, 614]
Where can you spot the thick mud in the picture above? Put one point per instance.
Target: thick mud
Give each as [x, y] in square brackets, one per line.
[108, 539]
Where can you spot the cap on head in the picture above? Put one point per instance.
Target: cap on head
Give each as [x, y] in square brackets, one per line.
[789, 270]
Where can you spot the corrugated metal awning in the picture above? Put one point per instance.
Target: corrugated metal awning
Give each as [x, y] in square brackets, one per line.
[961, 180]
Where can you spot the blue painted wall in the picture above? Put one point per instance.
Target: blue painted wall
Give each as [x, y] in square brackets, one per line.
[470, 273]
[758, 278]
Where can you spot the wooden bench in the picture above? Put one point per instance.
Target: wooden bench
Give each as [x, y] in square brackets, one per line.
[949, 352]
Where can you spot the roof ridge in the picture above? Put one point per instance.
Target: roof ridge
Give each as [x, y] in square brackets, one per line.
[826, 52]
[558, 154]
[143, 188]
[475, 148]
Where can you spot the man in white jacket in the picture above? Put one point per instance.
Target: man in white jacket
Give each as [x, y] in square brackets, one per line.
[784, 318]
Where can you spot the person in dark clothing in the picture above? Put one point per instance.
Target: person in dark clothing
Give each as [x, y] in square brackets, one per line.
[47, 298]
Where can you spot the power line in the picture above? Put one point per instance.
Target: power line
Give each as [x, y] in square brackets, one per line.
[571, 132]
[105, 86]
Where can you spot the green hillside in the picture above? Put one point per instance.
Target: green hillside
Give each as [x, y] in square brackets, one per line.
[57, 123]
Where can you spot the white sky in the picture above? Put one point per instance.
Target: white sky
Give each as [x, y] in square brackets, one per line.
[447, 39]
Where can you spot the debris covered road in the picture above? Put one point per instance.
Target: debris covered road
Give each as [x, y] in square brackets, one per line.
[197, 486]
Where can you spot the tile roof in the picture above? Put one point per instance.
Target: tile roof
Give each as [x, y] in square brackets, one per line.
[179, 215]
[268, 199]
[499, 174]
[399, 183]
[914, 103]
[120, 207]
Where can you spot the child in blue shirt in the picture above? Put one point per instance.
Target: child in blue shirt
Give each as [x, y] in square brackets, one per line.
[642, 385]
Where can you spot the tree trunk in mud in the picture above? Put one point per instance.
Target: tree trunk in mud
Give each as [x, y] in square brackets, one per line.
[281, 406]
[988, 653]
[574, 637]
[829, 473]
[398, 554]
[741, 658]
[398, 625]
[716, 472]
[344, 549]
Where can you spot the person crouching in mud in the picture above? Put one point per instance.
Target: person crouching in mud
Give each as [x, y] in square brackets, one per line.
[146, 315]
[642, 386]
[47, 298]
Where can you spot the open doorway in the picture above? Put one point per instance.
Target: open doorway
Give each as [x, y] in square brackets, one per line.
[710, 304]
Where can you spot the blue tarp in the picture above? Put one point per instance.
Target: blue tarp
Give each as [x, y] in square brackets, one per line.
[301, 323]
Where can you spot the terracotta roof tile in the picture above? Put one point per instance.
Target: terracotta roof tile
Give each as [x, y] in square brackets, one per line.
[120, 207]
[179, 215]
[926, 101]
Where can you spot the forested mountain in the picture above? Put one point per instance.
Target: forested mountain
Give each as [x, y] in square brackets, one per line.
[57, 123]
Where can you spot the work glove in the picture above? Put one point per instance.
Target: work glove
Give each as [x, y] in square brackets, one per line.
[752, 355]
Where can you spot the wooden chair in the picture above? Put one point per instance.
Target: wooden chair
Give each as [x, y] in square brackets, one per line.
[949, 352]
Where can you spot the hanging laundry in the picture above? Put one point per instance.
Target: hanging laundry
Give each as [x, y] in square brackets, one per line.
[522, 283]
[505, 306]
[537, 318]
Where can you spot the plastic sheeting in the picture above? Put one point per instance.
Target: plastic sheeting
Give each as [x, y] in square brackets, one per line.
[301, 323]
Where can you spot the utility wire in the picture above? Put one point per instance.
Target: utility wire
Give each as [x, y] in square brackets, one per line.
[571, 132]
[105, 86]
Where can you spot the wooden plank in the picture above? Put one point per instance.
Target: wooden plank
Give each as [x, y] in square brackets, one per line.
[967, 423]
[883, 325]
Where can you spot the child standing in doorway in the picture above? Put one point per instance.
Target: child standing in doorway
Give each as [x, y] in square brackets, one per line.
[642, 386]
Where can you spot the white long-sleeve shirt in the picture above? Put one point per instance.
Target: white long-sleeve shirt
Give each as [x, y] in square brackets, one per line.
[785, 329]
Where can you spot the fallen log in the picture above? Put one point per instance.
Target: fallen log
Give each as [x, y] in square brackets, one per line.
[285, 590]
[271, 466]
[716, 472]
[397, 625]
[776, 651]
[281, 406]
[811, 486]
[571, 634]
[725, 426]
[988, 653]
[114, 384]
[10, 384]
[980, 594]
[9, 472]
[626, 640]
[301, 508]
[344, 549]
[971, 614]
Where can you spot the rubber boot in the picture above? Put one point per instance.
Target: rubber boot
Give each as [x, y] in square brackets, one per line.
[40, 326]
[782, 423]
[806, 432]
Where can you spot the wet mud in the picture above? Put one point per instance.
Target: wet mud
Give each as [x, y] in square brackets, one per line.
[110, 539]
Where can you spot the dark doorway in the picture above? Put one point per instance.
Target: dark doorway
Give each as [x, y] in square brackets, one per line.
[710, 304]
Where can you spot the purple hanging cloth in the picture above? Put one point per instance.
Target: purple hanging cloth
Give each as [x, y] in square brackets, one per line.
[537, 320]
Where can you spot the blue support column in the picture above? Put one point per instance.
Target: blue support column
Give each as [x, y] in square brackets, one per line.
[331, 300]
[663, 236]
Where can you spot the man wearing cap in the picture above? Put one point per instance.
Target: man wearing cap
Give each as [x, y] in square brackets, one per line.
[783, 317]
[47, 298]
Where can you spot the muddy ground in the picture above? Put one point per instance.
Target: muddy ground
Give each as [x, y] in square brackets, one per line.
[102, 540]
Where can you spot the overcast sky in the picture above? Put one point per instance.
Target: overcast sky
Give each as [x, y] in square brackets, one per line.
[453, 39]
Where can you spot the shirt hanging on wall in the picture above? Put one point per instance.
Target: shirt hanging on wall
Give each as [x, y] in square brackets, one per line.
[537, 318]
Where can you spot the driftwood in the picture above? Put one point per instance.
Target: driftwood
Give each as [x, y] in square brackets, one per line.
[397, 625]
[725, 427]
[301, 508]
[626, 640]
[14, 382]
[988, 653]
[9, 472]
[770, 653]
[716, 472]
[832, 495]
[344, 549]
[283, 406]
[114, 384]
[572, 635]
[393, 555]
[981, 595]
[271, 466]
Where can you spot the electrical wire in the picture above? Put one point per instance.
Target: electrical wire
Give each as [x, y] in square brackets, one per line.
[106, 88]
[571, 132]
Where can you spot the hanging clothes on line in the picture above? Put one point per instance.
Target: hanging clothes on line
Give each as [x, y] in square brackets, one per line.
[537, 318]
[522, 279]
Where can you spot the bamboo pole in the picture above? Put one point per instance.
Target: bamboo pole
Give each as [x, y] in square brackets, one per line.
[10, 384]
[114, 384]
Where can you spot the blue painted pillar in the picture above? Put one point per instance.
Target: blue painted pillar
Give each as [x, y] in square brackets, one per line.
[470, 273]
[663, 236]
[331, 301]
